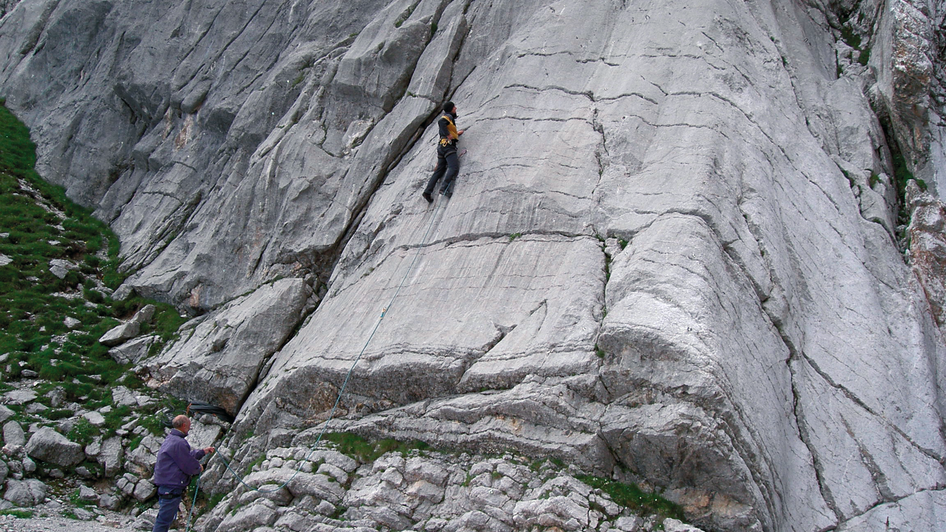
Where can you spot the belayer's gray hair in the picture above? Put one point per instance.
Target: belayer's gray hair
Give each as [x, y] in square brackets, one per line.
[179, 421]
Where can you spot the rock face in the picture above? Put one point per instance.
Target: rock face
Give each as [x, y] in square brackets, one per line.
[671, 255]
[221, 355]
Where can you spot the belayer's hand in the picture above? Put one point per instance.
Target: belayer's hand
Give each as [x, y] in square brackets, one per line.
[460, 132]
[208, 450]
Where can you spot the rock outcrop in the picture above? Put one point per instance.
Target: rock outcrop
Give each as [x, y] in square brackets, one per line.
[671, 257]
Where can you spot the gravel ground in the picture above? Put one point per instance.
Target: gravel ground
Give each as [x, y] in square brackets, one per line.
[111, 523]
[49, 518]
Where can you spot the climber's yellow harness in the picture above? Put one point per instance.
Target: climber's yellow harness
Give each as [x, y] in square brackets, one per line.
[452, 135]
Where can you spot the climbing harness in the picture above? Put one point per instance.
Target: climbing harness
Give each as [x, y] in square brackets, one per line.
[341, 391]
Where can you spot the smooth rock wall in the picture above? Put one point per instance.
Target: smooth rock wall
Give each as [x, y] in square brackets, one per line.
[673, 254]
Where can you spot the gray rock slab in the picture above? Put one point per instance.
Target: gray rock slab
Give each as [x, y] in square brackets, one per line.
[88, 494]
[144, 490]
[19, 397]
[221, 357]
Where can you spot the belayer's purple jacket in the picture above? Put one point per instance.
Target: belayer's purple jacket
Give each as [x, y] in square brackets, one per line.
[177, 462]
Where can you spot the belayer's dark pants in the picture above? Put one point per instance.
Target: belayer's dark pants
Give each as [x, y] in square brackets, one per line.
[448, 166]
[169, 501]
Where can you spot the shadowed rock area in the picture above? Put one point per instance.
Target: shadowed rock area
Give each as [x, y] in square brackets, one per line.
[679, 251]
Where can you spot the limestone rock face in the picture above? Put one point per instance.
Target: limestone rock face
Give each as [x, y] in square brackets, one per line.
[671, 255]
[219, 356]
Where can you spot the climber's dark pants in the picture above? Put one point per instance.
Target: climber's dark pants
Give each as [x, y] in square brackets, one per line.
[448, 166]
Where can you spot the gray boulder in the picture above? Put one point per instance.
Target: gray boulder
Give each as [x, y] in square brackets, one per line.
[109, 501]
[132, 351]
[13, 435]
[60, 268]
[19, 396]
[142, 458]
[144, 490]
[49, 446]
[121, 334]
[88, 494]
[5, 414]
[25, 493]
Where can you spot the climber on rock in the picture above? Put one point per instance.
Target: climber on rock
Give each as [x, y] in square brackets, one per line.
[448, 162]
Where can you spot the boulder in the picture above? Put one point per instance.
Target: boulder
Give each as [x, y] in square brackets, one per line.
[145, 314]
[109, 501]
[95, 418]
[25, 493]
[5, 414]
[141, 459]
[259, 513]
[87, 494]
[13, 435]
[120, 334]
[122, 396]
[49, 446]
[144, 490]
[110, 456]
[133, 351]
[19, 397]
[60, 268]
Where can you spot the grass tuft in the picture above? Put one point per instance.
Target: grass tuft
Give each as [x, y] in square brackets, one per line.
[633, 497]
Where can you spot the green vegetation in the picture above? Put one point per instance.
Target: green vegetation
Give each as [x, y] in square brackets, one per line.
[631, 496]
[367, 451]
[853, 39]
[21, 514]
[53, 313]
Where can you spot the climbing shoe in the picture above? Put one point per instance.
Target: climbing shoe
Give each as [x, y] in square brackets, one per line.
[428, 198]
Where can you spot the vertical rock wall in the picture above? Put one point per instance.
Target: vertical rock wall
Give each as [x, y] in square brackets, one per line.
[671, 257]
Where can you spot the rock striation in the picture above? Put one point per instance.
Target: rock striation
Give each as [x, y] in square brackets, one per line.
[673, 256]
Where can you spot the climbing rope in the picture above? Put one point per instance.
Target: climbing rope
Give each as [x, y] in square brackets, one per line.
[341, 391]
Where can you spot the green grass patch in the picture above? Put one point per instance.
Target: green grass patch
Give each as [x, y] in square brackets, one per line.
[367, 451]
[21, 514]
[633, 497]
[83, 432]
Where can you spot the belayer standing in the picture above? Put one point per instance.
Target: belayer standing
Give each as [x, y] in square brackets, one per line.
[448, 162]
[175, 466]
